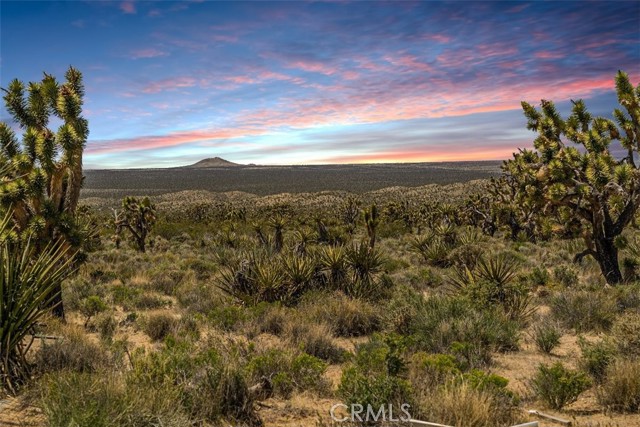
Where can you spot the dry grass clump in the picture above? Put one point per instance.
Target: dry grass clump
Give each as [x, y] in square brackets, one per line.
[158, 325]
[626, 333]
[82, 399]
[584, 310]
[461, 404]
[315, 339]
[546, 335]
[74, 351]
[347, 317]
[620, 391]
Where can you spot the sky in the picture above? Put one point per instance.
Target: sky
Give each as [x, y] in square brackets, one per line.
[170, 83]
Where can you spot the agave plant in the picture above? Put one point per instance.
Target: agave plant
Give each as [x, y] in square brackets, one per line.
[29, 282]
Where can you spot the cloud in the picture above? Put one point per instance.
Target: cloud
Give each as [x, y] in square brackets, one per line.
[147, 53]
[163, 141]
[128, 7]
[170, 84]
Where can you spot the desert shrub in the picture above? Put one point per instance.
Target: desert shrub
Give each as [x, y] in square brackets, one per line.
[539, 276]
[628, 296]
[287, 371]
[166, 282]
[91, 306]
[202, 268]
[157, 326]
[266, 318]
[208, 385]
[149, 301]
[565, 275]
[428, 371]
[454, 325]
[125, 296]
[401, 311]
[463, 404]
[558, 386]
[626, 333]
[347, 317]
[74, 352]
[375, 377]
[316, 340]
[79, 288]
[198, 297]
[584, 310]
[106, 401]
[620, 391]
[227, 317]
[546, 335]
[466, 255]
[106, 325]
[596, 357]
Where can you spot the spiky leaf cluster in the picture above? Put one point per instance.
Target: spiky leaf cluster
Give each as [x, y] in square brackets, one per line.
[41, 175]
[573, 176]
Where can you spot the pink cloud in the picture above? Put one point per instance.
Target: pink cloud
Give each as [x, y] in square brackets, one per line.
[313, 67]
[352, 105]
[440, 38]
[128, 7]
[428, 154]
[169, 84]
[545, 54]
[163, 141]
[410, 62]
[147, 53]
[225, 38]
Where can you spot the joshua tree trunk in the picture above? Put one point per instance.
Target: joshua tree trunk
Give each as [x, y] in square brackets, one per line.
[607, 257]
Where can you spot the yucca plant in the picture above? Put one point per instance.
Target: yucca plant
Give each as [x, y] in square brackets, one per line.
[492, 282]
[470, 236]
[365, 264]
[334, 264]
[29, 283]
[299, 273]
[433, 249]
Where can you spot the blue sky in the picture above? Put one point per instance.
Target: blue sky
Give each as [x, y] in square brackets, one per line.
[170, 83]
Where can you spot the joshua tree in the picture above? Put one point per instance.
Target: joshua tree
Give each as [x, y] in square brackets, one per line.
[277, 222]
[587, 182]
[138, 217]
[350, 214]
[42, 175]
[371, 221]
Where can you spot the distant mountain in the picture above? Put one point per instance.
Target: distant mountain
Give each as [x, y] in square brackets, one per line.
[215, 162]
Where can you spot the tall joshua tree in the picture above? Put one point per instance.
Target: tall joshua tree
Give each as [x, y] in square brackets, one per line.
[42, 175]
[584, 179]
[139, 217]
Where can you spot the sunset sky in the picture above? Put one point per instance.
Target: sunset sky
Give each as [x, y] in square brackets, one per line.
[170, 83]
